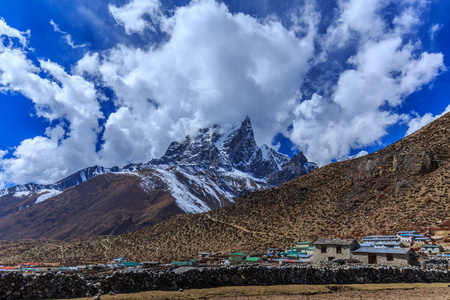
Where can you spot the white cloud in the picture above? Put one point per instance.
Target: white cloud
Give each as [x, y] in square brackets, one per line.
[434, 30]
[89, 64]
[7, 31]
[419, 121]
[67, 37]
[214, 66]
[132, 16]
[385, 70]
[59, 97]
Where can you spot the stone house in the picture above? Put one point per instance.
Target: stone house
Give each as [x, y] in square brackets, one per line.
[329, 249]
[432, 249]
[385, 256]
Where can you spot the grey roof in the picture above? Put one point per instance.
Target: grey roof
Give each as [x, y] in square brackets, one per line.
[338, 242]
[382, 250]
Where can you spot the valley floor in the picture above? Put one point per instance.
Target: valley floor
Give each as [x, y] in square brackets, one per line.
[409, 291]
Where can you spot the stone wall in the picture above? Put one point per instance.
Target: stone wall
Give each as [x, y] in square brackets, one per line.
[59, 285]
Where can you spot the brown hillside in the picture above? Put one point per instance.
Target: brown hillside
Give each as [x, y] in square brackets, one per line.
[106, 204]
[404, 186]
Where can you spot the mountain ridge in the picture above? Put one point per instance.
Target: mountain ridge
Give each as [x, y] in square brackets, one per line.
[405, 186]
[199, 173]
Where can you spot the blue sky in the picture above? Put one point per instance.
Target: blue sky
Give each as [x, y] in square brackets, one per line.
[112, 82]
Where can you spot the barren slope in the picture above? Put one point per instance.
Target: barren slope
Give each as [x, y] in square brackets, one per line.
[404, 186]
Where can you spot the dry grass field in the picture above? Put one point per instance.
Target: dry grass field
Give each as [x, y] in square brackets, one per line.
[356, 291]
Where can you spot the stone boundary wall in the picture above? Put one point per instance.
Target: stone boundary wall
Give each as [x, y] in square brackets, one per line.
[58, 285]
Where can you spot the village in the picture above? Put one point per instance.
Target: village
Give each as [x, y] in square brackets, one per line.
[405, 248]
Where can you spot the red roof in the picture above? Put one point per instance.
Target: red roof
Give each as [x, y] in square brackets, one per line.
[28, 264]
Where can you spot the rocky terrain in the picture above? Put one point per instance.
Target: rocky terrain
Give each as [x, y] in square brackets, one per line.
[57, 285]
[200, 173]
[402, 187]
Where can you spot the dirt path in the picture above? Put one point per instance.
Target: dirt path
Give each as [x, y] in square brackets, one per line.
[409, 291]
[417, 294]
[237, 226]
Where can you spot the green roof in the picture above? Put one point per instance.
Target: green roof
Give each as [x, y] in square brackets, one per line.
[304, 243]
[130, 264]
[181, 263]
[306, 248]
[238, 254]
[431, 246]
[252, 258]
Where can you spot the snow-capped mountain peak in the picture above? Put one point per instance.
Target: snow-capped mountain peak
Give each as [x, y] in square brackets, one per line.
[202, 172]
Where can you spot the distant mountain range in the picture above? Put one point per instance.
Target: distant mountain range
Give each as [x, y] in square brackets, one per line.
[200, 173]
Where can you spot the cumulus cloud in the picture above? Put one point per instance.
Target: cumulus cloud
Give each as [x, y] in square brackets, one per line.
[59, 97]
[135, 14]
[67, 37]
[418, 122]
[215, 68]
[330, 90]
[384, 70]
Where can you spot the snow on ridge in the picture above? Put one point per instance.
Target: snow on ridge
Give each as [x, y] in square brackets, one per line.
[239, 174]
[225, 136]
[148, 184]
[48, 194]
[183, 198]
[21, 194]
[204, 185]
[83, 176]
[126, 172]
[359, 154]
[265, 151]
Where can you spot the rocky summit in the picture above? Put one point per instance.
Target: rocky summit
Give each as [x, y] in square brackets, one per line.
[205, 171]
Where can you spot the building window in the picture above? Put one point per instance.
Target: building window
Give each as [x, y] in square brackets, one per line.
[323, 249]
[389, 257]
[338, 249]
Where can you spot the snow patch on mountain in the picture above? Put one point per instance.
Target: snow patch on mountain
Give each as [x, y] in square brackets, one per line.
[47, 195]
[21, 194]
[184, 199]
[360, 154]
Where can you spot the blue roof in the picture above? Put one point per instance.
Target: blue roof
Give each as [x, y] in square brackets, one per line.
[382, 250]
[379, 236]
[378, 244]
